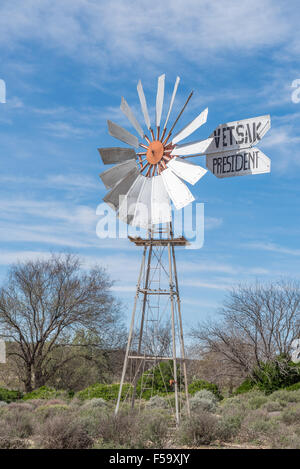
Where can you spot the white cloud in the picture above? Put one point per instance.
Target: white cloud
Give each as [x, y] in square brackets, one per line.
[274, 248]
[123, 32]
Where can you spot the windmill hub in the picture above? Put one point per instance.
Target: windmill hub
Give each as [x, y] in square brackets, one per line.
[155, 152]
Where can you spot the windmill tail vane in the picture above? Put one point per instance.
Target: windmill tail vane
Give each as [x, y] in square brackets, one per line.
[143, 182]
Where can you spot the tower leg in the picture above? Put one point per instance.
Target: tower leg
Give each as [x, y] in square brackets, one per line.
[130, 331]
[142, 321]
[181, 335]
[173, 332]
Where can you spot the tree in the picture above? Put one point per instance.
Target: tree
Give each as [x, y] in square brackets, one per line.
[257, 324]
[45, 303]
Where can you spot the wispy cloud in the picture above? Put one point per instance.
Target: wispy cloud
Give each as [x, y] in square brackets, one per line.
[274, 248]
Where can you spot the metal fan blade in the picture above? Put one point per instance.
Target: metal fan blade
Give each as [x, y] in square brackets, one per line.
[160, 202]
[188, 171]
[114, 197]
[160, 98]
[192, 148]
[122, 134]
[172, 100]
[112, 176]
[127, 207]
[177, 190]
[191, 127]
[126, 109]
[143, 104]
[116, 155]
[142, 213]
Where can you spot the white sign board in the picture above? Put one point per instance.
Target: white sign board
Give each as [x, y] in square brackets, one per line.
[238, 163]
[239, 134]
[2, 352]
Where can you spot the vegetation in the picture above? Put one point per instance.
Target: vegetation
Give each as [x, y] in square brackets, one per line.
[43, 303]
[7, 395]
[199, 384]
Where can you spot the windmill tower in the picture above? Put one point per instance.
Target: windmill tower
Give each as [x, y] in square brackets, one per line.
[142, 184]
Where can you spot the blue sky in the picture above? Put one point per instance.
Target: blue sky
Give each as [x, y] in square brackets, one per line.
[66, 66]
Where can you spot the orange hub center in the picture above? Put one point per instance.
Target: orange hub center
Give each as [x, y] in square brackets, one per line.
[155, 152]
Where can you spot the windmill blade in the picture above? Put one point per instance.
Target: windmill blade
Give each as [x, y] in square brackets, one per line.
[127, 207]
[188, 171]
[114, 197]
[115, 155]
[191, 127]
[143, 104]
[192, 148]
[160, 202]
[112, 176]
[126, 109]
[122, 134]
[177, 190]
[142, 213]
[172, 100]
[160, 98]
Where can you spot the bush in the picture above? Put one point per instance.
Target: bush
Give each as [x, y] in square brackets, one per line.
[105, 391]
[291, 415]
[276, 374]
[13, 443]
[46, 411]
[157, 402]
[96, 402]
[228, 427]
[16, 423]
[45, 392]
[199, 384]
[8, 395]
[62, 432]
[159, 379]
[203, 401]
[246, 386]
[153, 429]
[120, 430]
[199, 429]
[294, 387]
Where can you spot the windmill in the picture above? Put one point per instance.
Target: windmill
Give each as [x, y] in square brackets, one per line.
[143, 182]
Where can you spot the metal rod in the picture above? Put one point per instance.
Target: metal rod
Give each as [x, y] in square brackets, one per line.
[178, 117]
[173, 332]
[130, 332]
[142, 318]
[181, 329]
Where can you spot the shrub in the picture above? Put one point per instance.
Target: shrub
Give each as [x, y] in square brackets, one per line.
[203, 401]
[45, 392]
[284, 396]
[105, 391]
[276, 374]
[157, 402]
[16, 423]
[246, 386]
[199, 429]
[228, 427]
[291, 415]
[13, 443]
[8, 395]
[120, 430]
[153, 429]
[294, 387]
[158, 379]
[256, 400]
[46, 411]
[96, 402]
[62, 432]
[272, 406]
[200, 384]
